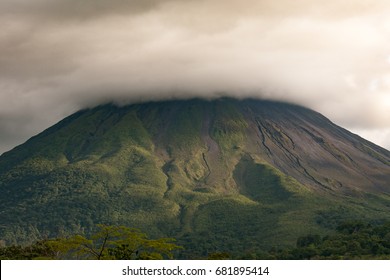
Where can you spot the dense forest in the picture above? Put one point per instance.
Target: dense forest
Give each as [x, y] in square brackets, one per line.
[352, 240]
[108, 243]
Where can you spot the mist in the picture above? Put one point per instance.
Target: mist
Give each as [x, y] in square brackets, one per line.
[59, 56]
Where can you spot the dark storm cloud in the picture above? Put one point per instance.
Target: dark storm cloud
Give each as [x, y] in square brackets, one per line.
[57, 56]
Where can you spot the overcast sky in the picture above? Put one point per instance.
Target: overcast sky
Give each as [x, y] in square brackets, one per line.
[58, 56]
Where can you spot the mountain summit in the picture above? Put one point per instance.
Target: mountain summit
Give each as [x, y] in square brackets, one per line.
[227, 174]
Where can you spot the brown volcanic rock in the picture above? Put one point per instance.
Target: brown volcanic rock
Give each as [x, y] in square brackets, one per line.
[307, 146]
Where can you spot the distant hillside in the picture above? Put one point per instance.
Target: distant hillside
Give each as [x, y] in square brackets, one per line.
[221, 175]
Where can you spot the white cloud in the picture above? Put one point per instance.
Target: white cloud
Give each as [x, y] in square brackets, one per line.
[57, 56]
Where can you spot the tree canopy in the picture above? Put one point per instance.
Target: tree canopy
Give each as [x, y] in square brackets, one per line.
[108, 243]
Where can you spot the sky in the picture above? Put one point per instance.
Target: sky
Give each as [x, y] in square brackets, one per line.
[58, 56]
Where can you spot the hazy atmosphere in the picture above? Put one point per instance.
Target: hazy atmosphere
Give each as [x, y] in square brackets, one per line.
[58, 56]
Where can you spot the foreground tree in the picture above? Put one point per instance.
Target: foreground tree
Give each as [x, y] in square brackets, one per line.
[115, 243]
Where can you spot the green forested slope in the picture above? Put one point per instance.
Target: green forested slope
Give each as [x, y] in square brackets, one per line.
[222, 175]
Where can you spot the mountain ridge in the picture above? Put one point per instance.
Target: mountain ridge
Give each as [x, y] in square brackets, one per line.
[193, 169]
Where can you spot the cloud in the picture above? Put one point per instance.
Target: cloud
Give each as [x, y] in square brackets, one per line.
[58, 56]
[68, 10]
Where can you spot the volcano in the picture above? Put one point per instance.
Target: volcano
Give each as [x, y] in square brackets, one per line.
[217, 175]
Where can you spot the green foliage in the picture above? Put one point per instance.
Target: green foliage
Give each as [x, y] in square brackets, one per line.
[110, 242]
[38, 250]
[259, 181]
[219, 256]
[308, 240]
[115, 242]
[184, 131]
[229, 126]
[353, 240]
